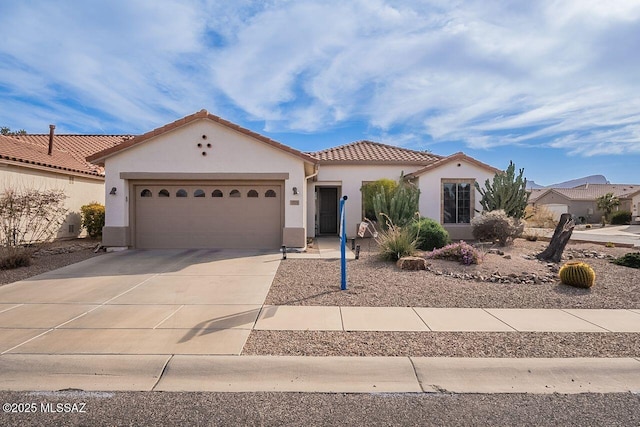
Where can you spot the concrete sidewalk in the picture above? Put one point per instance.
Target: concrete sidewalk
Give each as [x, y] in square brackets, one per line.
[318, 374]
[325, 318]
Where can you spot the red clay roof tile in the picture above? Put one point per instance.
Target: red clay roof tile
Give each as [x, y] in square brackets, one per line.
[369, 152]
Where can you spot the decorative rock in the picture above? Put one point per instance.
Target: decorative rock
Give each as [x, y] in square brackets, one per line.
[507, 257]
[412, 263]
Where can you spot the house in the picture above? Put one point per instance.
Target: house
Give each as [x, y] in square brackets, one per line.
[202, 181]
[581, 202]
[49, 161]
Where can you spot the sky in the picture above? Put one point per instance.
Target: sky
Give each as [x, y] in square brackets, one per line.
[552, 85]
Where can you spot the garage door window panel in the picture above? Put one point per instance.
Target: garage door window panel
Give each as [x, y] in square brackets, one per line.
[252, 193]
[235, 193]
[270, 193]
[146, 193]
[164, 193]
[217, 193]
[181, 193]
[198, 193]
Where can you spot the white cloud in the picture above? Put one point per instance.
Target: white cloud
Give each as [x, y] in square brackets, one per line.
[553, 73]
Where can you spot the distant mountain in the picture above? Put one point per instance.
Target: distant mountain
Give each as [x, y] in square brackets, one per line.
[591, 179]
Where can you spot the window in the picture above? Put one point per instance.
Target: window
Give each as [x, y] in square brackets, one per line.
[163, 193]
[72, 228]
[456, 202]
[198, 193]
[145, 193]
[252, 193]
[216, 193]
[234, 193]
[181, 193]
[270, 193]
[71, 180]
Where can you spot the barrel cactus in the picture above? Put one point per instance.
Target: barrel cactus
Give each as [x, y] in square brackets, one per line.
[578, 274]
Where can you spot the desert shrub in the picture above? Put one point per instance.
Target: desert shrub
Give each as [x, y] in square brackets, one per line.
[621, 218]
[15, 257]
[496, 226]
[369, 191]
[431, 235]
[631, 260]
[461, 252]
[400, 208]
[540, 216]
[609, 245]
[395, 242]
[29, 215]
[93, 218]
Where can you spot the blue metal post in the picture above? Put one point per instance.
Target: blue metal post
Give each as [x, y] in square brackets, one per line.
[343, 243]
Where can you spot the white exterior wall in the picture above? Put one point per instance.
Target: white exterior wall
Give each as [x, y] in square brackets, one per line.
[80, 191]
[177, 152]
[350, 178]
[431, 192]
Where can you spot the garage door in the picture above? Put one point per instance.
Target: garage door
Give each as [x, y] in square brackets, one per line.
[211, 215]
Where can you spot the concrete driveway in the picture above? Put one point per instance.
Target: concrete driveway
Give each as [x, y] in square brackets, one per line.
[156, 302]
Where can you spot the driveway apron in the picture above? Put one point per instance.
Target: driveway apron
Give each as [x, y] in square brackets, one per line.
[153, 302]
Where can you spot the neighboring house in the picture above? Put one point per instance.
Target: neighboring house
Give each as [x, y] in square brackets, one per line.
[48, 161]
[581, 201]
[202, 181]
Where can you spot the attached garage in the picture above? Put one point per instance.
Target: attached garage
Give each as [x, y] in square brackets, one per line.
[214, 214]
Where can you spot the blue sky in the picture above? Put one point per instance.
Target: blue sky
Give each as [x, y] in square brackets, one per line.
[552, 85]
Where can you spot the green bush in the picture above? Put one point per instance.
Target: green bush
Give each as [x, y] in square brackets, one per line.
[631, 260]
[462, 252]
[14, 257]
[496, 226]
[431, 235]
[621, 218]
[369, 191]
[395, 242]
[93, 219]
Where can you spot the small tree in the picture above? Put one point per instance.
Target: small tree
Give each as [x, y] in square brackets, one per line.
[4, 130]
[93, 219]
[27, 217]
[606, 204]
[508, 193]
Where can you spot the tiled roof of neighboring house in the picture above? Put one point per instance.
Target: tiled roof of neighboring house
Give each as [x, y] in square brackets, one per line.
[368, 152]
[589, 191]
[202, 114]
[69, 151]
[453, 158]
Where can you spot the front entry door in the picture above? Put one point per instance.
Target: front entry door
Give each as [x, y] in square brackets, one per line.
[328, 208]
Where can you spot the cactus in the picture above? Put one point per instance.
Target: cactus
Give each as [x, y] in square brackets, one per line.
[578, 274]
[507, 192]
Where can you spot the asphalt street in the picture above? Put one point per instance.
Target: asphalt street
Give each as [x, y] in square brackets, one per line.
[75, 408]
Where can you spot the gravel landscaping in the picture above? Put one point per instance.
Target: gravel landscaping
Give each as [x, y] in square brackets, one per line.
[513, 279]
[442, 344]
[55, 255]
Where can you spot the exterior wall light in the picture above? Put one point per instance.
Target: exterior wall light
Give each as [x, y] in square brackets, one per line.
[295, 191]
[113, 191]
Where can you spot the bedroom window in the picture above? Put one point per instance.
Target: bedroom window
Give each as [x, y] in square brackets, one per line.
[457, 201]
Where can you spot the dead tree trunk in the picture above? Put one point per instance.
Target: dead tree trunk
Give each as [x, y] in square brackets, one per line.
[560, 238]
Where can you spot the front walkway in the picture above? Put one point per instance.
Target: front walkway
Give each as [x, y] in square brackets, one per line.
[325, 318]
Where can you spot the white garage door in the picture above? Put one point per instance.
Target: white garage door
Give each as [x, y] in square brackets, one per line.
[210, 215]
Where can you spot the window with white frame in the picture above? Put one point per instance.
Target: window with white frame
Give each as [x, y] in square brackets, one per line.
[457, 201]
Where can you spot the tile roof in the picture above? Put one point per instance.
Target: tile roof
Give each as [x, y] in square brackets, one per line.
[202, 114]
[69, 151]
[589, 192]
[453, 158]
[369, 152]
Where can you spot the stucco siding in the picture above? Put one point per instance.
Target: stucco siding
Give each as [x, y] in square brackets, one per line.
[79, 190]
[430, 185]
[350, 178]
[177, 151]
